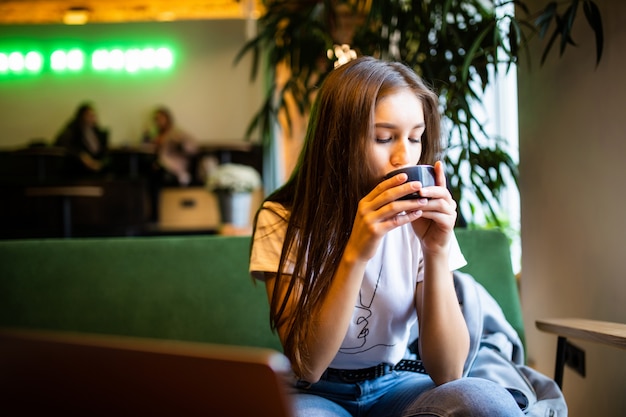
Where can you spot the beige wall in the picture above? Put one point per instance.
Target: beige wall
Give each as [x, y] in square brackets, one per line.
[573, 176]
[209, 96]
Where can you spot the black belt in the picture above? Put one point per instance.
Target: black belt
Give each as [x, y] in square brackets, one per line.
[364, 374]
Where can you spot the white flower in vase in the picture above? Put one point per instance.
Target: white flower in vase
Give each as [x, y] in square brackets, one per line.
[234, 178]
[233, 184]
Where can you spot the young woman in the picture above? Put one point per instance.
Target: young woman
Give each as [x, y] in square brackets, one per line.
[349, 268]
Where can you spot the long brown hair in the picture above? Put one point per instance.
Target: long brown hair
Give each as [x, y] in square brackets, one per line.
[331, 176]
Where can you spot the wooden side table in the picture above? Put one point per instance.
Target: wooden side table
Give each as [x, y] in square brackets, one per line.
[604, 332]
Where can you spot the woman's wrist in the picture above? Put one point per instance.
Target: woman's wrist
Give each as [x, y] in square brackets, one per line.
[436, 251]
[352, 258]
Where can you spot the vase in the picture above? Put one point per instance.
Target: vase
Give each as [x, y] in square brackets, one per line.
[235, 207]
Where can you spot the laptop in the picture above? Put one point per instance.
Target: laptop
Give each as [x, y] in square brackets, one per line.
[77, 374]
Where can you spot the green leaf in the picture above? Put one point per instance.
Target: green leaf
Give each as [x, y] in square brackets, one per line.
[544, 20]
[592, 13]
[546, 50]
[473, 53]
[566, 23]
[514, 37]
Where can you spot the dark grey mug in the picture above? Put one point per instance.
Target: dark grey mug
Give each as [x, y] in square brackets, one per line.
[422, 173]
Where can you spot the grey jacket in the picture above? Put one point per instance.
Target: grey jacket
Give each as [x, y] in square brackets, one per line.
[497, 353]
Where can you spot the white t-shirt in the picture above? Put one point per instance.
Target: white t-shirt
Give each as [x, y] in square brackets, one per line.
[385, 310]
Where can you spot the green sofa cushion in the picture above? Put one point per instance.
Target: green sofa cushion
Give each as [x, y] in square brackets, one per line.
[186, 288]
[488, 256]
[194, 288]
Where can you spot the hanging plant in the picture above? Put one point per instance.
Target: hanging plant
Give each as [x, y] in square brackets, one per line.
[458, 46]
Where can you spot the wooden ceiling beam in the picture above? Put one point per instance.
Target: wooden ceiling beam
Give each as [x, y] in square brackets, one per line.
[116, 11]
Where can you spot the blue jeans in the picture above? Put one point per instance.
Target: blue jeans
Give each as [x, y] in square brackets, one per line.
[405, 394]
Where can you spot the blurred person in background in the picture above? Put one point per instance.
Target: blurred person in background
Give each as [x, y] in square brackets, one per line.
[85, 141]
[175, 149]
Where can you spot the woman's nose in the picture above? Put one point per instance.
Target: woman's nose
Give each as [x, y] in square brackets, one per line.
[400, 154]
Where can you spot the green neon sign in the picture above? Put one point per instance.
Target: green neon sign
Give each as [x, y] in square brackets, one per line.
[75, 60]
[18, 62]
[72, 60]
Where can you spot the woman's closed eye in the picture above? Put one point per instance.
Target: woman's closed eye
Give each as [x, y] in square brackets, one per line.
[389, 139]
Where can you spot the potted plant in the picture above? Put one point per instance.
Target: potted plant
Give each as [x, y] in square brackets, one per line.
[458, 46]
[233, 185]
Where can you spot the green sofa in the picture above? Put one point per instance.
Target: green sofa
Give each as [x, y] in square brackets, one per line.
[191, 288]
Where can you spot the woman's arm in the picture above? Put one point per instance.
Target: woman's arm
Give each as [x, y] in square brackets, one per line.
[443, 334]
[331, 320]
